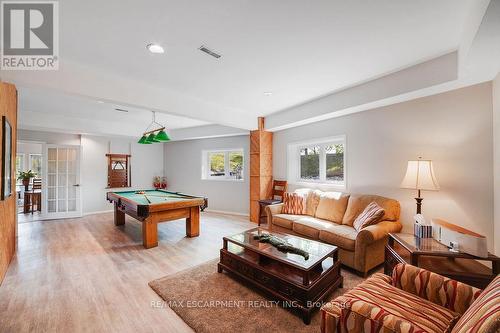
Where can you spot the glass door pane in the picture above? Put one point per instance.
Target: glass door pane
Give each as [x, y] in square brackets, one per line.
[63, 174]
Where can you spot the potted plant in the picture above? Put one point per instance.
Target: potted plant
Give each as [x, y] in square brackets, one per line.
[25, 177]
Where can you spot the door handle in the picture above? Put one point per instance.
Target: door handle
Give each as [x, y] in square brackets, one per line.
[76, 185]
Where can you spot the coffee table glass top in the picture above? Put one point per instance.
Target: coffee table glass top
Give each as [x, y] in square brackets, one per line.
[317, 251]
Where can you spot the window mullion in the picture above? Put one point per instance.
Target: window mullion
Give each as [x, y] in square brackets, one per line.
[322, 164]
[226, 165]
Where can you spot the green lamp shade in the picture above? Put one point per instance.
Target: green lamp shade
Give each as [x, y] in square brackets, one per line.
[152, 138]
[162, 136]
[144, 141]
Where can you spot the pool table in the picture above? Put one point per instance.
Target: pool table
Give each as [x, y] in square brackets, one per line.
[155, 206]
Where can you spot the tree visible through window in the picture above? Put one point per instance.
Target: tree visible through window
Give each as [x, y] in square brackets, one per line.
[309, 162]
[217, 164]
[322, 161]
[224, 164]
[335, 162]
[19, 165]
[36, 164]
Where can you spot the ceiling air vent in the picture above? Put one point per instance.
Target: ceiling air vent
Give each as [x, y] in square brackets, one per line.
[209, 52]
[121, 110]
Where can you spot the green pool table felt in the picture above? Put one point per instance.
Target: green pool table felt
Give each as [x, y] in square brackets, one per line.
[154, 196]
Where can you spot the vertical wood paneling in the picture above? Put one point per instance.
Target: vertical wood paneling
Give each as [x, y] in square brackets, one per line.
[8, 108]
[261, 161]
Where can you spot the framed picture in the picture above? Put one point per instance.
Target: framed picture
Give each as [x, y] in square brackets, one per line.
[6, 188]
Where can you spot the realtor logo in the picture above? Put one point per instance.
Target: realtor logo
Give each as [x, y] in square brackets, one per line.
[29, 35]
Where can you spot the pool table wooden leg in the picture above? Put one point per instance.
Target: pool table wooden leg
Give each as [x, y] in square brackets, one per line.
[119, 216]
[149, 233]
[193, 222]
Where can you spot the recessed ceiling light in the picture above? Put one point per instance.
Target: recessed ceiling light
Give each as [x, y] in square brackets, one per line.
[268, 93]
[155, 48]
[100, 102]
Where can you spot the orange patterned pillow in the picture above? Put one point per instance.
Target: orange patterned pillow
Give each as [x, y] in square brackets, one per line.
[293, 203]
[372, 214]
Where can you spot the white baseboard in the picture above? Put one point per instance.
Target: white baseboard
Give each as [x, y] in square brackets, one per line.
[98, 212]
[226, 212]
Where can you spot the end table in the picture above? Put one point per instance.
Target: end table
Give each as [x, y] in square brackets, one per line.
[428, 253]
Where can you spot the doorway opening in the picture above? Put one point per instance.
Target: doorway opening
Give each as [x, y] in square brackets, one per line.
[29, 163]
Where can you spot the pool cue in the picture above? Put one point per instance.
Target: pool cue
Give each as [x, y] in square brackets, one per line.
[165, 196]
[145, 196]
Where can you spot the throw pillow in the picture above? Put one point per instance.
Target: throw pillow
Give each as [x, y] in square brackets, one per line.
[293, 203]
[372, 214]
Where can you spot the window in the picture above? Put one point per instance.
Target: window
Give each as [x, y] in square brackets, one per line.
[19, 164]
[317, 161]
[223, 164]
[35, 164]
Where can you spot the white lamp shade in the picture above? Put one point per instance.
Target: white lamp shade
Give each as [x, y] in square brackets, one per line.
[420, 176]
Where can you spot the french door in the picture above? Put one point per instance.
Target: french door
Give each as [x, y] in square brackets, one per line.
[61, 182]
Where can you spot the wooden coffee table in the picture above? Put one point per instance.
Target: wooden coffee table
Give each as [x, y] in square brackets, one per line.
[289, 277]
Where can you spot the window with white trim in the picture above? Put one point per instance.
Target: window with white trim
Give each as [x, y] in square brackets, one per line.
[35, 164]
[224, 164]
[318, 161]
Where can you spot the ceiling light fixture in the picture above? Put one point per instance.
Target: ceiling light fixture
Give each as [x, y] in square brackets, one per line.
[100, 102]
[155, 48]
[150, 136]
[268, 93]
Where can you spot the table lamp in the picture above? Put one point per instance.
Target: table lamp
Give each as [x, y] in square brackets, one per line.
[420, 176]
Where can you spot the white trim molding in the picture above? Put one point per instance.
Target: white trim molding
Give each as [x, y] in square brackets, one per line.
[293, 162]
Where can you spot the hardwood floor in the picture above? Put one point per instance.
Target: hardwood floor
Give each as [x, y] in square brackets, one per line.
[87, 275]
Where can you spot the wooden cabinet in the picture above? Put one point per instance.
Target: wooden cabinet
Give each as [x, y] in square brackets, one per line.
[118, 170]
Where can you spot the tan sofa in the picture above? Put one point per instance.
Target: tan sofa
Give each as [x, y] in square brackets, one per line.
[329, 218]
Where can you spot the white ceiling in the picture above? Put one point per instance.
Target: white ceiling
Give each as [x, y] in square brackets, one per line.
[84, 115]
[299, 50]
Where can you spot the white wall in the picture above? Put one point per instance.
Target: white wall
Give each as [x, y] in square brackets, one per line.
[454, 129]
[146, 162]
[496, 163]
[48, 137]
[183, 172]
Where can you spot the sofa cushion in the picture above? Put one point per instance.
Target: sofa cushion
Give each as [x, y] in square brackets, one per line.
[342, 236]
[376, 306]
[372, 214]
[293, 203]
[309, 226]
[484, 314]
[358, 202]
[285, 220]
[332, 206]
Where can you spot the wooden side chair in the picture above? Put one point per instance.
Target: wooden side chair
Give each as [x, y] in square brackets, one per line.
[34, 197]
[279, 188]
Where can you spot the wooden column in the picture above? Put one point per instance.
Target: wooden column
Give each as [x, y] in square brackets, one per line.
[261, 168]
[8, 108]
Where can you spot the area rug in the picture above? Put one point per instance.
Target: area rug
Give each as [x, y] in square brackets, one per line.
[220, 302]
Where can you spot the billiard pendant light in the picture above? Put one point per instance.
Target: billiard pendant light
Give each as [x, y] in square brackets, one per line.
[150, 136]
[162, 136]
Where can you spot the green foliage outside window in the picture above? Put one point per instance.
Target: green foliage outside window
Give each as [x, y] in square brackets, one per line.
[217, 164]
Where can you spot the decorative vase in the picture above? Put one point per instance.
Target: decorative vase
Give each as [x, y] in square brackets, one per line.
[164, 183]
[26, 183]
[156, 185]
